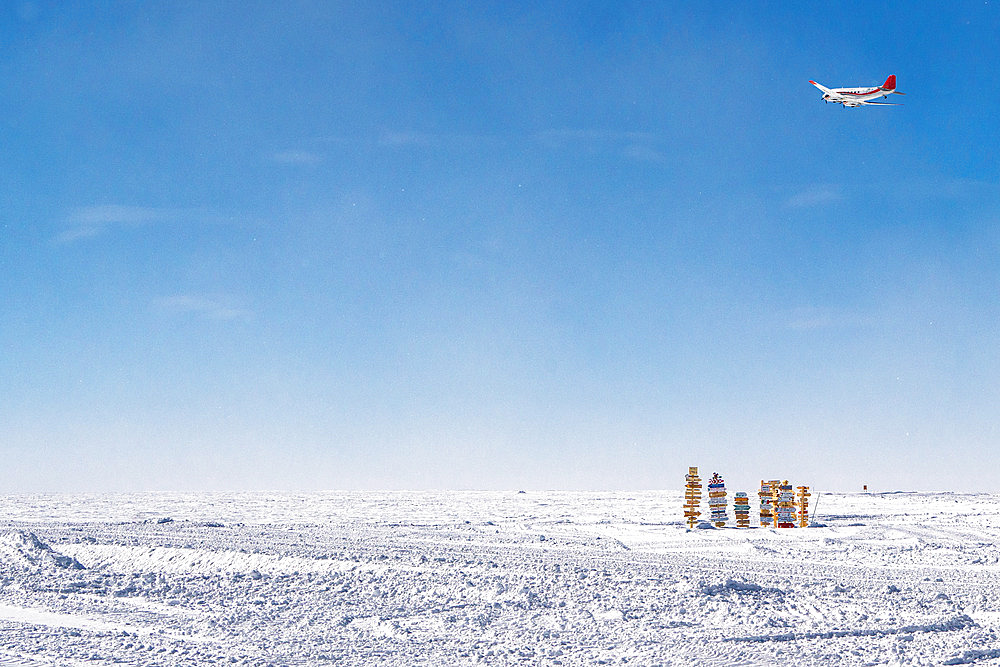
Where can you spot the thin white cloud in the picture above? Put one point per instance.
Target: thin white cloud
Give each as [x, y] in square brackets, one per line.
[90, 221]
[213, 308]
[644, 153]
[905, 192]
[114, 214]
[818, 195]
[809, 319]
[78, 233]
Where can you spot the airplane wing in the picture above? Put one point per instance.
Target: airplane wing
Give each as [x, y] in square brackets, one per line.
[882, 104]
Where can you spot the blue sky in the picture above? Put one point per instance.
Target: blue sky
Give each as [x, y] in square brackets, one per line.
[318, 245]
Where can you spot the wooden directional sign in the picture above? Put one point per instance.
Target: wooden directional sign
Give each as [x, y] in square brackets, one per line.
[692, 497]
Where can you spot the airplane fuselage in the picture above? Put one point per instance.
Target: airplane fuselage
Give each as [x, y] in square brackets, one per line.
[856, 97]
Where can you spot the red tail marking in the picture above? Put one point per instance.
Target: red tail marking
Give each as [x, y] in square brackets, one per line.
[890, 83]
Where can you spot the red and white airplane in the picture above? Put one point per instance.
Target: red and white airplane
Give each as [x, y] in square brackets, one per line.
[855, 97]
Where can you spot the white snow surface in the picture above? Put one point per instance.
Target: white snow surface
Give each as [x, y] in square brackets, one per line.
[493, 578]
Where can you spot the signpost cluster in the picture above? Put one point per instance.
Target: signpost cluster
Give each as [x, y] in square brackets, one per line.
[779, 506]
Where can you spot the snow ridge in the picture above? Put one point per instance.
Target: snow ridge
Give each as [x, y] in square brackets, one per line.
[738, 587]
[23, 549]
[7, 661]
[960, 622]
[969, 657]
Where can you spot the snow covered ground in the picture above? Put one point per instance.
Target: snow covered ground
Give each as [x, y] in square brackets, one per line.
[458, 578]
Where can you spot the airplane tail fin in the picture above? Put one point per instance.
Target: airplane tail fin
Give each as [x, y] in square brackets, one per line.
[890, 84]
[821, 87]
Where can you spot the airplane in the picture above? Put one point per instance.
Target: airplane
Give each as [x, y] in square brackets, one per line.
[855, 97]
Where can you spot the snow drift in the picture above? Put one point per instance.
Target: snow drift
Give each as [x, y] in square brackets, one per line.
[467, 578]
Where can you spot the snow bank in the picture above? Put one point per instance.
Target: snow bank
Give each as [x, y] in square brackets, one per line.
[23, 549]
[174, 560]
[440, 578]
[738, 587]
